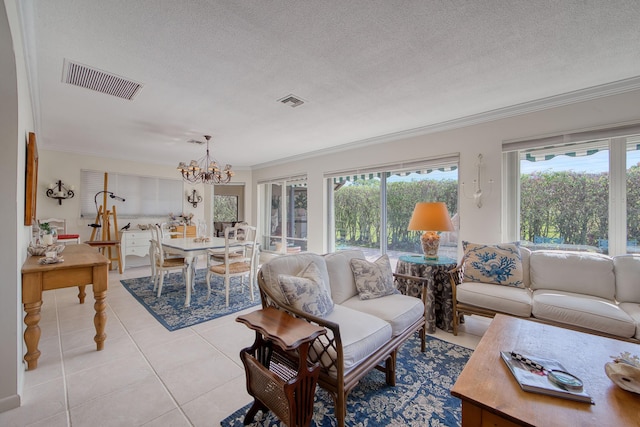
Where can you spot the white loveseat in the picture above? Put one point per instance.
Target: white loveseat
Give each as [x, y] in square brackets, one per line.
[361, 334]
[580, 290]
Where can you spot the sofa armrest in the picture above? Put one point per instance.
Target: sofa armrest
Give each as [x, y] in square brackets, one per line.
[327, 349]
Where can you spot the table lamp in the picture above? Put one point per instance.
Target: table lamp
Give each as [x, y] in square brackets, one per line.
[432, 218]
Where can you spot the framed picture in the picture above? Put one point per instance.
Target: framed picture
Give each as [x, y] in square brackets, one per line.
[31, 181]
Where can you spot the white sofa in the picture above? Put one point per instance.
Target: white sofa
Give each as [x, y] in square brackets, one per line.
[579, 290]
[361, 333]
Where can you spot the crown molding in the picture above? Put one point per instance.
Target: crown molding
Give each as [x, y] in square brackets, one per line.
[594, 92]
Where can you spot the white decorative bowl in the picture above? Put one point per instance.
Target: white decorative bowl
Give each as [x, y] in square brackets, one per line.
[624, 376]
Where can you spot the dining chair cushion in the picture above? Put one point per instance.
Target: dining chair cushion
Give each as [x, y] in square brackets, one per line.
[234, 268]
[171, 262]
[307, 292]
[373, 279]
[220, 255]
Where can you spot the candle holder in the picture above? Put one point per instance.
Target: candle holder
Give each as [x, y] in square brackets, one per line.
[60, 192]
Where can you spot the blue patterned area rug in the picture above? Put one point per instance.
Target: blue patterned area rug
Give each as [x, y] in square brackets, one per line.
[420, 398]
[169, 309]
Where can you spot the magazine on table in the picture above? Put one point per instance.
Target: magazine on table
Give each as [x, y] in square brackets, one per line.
[545, 376]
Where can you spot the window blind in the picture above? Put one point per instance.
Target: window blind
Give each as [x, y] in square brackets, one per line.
[144, 196]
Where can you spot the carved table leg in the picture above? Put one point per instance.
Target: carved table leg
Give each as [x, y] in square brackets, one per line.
[32, 333]
[81, 293]
[100, 319]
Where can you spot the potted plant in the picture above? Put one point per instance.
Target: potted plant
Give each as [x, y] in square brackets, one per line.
[48, 234]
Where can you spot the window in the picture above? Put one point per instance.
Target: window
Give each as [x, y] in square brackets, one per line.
[633, 194]
[567, 191]
[144, 196]
[283, 214]
[371, 209]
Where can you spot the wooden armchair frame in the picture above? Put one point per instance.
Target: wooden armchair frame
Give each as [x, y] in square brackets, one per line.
[327, 351]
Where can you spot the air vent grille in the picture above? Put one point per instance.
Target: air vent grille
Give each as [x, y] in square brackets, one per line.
[91, 78]
[292, 101]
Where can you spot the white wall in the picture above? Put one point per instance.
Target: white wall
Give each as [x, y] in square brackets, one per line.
[16, 120]
[476, 224]
[55, 165]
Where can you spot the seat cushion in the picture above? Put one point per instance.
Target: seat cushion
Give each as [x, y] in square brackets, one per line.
[585, 311]
[633, 310]
[627, 270]
[362, 334]
[171, 262]
[577, 272]
[234, 268]
[343, 285]
[400, 311]
[505, 299]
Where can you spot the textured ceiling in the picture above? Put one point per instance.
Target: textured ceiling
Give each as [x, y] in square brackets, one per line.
[364, 68]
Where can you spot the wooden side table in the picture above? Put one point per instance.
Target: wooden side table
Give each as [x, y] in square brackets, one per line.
[279, 377]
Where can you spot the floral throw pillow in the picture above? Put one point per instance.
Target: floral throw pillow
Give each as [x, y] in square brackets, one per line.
[498, 264]
[373, 279]
[307, 292]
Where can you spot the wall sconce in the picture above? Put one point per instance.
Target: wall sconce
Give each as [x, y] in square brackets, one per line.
[59, 191]
[194, 198]
[478, 193]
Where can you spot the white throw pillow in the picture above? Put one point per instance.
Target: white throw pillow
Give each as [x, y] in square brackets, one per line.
[307, 292]
[373, 279]
[497, 264]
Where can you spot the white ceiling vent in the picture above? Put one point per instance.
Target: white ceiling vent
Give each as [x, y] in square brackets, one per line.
[291, 100]
[100, 81]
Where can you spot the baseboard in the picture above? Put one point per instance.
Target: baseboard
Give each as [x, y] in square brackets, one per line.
[10, 402]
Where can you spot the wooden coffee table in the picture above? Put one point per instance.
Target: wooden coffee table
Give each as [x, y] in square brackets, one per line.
[491, 396]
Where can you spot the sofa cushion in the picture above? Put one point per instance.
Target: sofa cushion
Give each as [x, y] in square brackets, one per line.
[362, 334]
[401, 311]
[525, 254]
[341, 281]
[578, 272]
[498, 264]
[373, 279]
[633, 310]
[505, 299]
[291, 265]
[627, 270]
[585, 311]
[306, 291]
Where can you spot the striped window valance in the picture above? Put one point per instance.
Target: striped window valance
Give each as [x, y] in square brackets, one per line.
[571, 150]
[423, 166]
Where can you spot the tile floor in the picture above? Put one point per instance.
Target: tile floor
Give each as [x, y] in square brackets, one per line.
[146, 375]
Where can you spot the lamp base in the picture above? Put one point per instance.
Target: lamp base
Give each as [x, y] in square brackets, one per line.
[430, 244]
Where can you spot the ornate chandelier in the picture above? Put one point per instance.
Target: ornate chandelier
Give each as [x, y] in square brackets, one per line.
[205, 170]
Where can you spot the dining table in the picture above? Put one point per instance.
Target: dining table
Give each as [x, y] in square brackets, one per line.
[191, 248]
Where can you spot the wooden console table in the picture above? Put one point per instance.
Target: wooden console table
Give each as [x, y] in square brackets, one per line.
[277, 379]
[82, 266]
[492, 397]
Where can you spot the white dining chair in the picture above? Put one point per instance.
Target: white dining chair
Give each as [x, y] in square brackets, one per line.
[238, 259]
[162, 263]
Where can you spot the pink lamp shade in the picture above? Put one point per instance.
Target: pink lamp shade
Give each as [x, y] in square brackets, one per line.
[430, 217]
